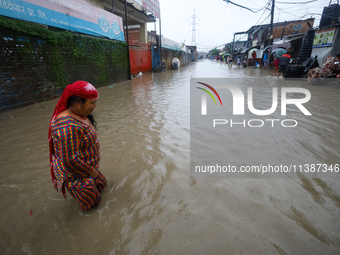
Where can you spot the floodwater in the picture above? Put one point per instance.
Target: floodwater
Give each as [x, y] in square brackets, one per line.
[151, 204]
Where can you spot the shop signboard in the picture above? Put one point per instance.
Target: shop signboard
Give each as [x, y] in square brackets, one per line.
[152, 6]
[323, 38]
[74, 15]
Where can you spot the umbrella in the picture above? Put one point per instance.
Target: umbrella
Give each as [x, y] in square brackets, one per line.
[279, 52]
[227, 54]
[221, 53]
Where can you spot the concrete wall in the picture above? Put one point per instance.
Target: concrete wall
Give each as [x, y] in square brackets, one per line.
[336, 42]
[37, 63]
[98, 3]
[170, 44]
[138, 33]
[134, 34]
[168, 55]
[143, 33]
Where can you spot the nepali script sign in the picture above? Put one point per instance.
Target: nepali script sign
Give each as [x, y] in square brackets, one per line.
[152, 6]
[75, 15]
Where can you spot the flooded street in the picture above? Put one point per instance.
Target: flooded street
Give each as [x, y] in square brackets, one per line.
[151, 204]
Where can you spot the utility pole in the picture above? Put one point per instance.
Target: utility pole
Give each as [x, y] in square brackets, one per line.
[113, 1]
[127, 40]
[160, 39]
[193, 28]
[270, 41]
[233, 47]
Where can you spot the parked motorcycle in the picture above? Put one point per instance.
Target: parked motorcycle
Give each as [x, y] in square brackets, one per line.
[175, 64]
[300, 71]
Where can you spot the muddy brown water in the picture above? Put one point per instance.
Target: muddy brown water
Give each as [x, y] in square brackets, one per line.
[151, 205]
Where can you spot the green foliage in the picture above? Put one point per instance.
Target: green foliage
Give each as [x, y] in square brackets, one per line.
[183, 45]
[93, 58]
[214, 52]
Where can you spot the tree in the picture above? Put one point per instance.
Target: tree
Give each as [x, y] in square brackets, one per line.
[214, 52]
[183, 45]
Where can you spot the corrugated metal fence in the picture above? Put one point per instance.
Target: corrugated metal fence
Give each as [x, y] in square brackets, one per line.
[140, 57]
[156, 57]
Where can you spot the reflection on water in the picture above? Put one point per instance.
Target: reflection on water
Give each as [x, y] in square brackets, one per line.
[151, 205]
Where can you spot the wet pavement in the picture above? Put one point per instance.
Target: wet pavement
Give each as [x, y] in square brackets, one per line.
[151, 205]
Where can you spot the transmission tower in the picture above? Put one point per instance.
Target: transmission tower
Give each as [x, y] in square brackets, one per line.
[193, 19]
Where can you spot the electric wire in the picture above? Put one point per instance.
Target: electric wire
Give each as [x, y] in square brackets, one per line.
[282, 9]
[266, 6]
[296, 2]
[241, 6]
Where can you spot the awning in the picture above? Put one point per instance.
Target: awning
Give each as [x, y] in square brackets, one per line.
[268, 47]
[257, 30]
[248, 49]
[244, 51]
[288, 39]
[135, 17]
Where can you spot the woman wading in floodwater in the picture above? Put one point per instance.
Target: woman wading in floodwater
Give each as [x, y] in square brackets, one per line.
[74, 148]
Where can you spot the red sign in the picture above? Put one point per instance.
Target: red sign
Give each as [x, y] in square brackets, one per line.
[152, 6]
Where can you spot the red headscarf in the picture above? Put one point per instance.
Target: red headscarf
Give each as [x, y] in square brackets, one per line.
[81, 89]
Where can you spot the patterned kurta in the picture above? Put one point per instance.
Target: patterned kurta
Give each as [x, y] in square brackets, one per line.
[76, 150]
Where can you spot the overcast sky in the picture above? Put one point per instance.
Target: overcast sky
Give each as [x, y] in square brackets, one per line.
[217, 21]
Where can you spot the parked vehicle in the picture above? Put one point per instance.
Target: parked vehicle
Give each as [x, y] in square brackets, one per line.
[300, 71]
[175, 63]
